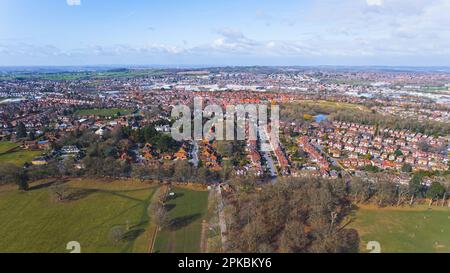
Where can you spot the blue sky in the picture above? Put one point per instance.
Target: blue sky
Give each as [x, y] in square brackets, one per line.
[225, 32]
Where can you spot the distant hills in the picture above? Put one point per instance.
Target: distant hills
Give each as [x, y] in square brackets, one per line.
[124, 68]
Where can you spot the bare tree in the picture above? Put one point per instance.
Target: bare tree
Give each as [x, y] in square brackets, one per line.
[159, 215]
[116, 234]
[59, 191]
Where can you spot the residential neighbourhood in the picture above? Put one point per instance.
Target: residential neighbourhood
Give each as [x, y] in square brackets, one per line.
[244, 130]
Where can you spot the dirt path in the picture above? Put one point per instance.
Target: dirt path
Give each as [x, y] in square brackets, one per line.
[153, 231]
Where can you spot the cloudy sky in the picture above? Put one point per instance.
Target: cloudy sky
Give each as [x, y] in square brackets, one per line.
[225, 32]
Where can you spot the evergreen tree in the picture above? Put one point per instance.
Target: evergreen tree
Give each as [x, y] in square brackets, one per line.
[21, 131]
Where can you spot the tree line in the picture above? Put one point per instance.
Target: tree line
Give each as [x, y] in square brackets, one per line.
[384, 192]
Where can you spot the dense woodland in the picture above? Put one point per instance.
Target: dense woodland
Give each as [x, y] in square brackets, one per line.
[295, 215]
[300, 113]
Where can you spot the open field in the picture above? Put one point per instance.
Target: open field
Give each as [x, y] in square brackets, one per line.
[11, 153]
[34, 222]
[187, 210]
[20, 157]
[404, 229]
[105, 112]
[6, 146]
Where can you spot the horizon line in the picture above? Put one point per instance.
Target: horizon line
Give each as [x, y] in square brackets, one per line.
[219, 65]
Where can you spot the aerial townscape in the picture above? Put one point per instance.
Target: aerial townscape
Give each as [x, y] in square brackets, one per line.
[241, 130]
[339, 125]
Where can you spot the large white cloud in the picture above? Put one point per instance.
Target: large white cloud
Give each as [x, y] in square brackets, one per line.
[73, 2]
[375, 2]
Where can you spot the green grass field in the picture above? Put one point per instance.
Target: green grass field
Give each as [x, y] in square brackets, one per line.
[405, 230]
[105, 112]
[188, 210]
[18, 157]
[33, 222]
[6, 145]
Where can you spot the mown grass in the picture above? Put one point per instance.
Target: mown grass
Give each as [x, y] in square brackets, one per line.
[10, 153]
[6, 146]
[104, 112]
[34, 222]
[404, 229]
[187, 211]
